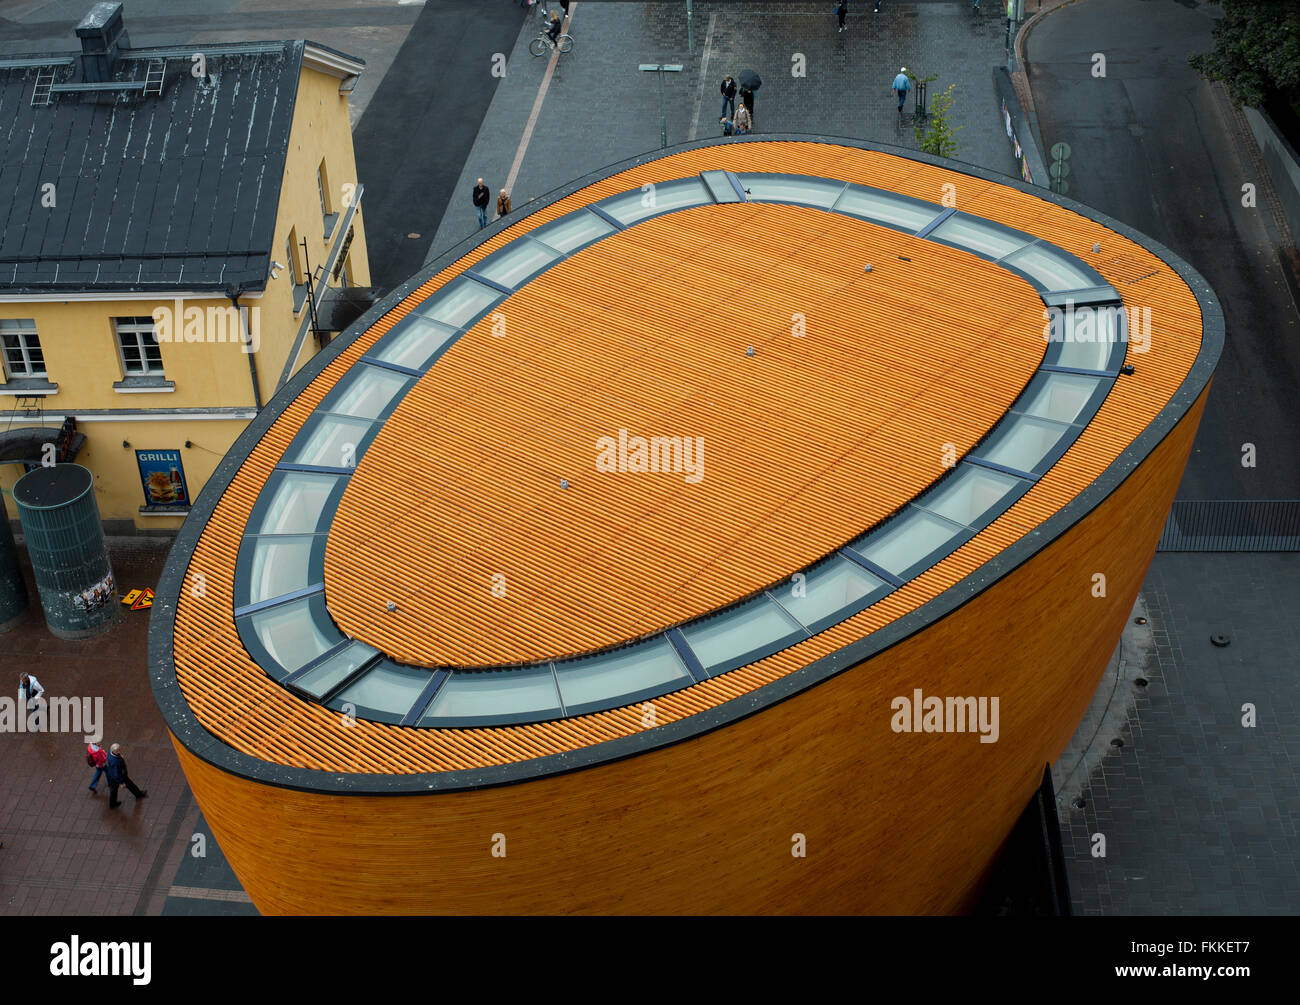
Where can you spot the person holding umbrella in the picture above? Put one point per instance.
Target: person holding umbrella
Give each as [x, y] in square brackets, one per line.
[749, 83]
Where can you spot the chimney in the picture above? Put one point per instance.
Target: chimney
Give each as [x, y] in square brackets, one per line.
[102, 36]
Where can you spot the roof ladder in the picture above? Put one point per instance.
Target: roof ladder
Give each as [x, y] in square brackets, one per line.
[44, 81]
[153, 79]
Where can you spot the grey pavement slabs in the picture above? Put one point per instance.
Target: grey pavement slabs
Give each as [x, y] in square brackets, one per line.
[600, 109]
[1199, 812]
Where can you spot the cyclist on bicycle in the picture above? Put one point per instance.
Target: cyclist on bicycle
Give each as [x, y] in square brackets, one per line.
[553, 27]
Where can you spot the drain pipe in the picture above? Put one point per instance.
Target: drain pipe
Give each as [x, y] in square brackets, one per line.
[234, 293]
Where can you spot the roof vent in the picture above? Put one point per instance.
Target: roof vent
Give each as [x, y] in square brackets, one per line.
[103, 36]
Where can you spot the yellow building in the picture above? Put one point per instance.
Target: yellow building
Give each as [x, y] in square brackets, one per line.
[183, 233]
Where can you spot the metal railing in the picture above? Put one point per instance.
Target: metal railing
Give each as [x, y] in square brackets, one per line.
[1232, 525]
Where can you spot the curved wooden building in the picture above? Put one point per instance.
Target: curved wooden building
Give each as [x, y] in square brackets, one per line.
[741, 529]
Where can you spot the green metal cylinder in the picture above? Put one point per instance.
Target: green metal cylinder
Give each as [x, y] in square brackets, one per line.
[13, 591]
[65, 542]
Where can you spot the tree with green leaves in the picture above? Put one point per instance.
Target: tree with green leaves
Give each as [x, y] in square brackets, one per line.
[1256, 50]
[936, 134]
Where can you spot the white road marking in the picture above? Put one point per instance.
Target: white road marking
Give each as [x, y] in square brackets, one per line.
[537, 109]
[704, 76]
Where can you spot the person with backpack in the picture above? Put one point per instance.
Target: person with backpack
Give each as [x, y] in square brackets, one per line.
[728, 97]
[841, 10]
[97, 758]
[481, 199]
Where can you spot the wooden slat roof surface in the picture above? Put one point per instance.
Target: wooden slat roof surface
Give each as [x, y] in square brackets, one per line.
[235, 701]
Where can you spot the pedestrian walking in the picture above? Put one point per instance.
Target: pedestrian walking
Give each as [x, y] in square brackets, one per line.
[481, 199]
[744, 121]
[747, 99]
[841, 11]
[115, 768]
[901, 86]
[30, 693]
[503, 204]
[97, 758]
[728, 98]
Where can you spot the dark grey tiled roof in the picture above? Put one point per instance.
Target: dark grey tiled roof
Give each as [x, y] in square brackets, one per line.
[177, 191]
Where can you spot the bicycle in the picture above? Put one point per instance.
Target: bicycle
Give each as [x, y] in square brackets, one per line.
[543, 44]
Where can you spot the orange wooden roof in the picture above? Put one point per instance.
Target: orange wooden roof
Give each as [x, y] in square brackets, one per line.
[805, 444]
[235, 701]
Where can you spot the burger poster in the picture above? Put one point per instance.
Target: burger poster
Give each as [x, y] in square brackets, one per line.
[163, 477]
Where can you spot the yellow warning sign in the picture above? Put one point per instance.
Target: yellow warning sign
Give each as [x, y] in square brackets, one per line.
[132, 597]
[144, 600]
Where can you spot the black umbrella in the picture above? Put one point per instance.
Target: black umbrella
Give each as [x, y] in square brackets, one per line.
[749, 80]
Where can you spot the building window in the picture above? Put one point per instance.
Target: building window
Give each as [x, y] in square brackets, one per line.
[23, 356]
[138, 345]
[291, 256]
[296, 274]
[327, 213]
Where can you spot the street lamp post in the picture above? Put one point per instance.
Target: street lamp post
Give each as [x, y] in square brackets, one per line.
[661, 69]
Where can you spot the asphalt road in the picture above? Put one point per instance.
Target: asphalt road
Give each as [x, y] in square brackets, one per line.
[1158, 148]
[418, 129]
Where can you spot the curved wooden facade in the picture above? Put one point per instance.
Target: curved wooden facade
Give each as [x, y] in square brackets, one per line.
[698, 808]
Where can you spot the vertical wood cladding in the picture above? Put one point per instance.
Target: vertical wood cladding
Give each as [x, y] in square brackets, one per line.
[894, 822]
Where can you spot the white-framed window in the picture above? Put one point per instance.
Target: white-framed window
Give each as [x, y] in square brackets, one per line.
[138, 347]
[22, 349]
[291, 256]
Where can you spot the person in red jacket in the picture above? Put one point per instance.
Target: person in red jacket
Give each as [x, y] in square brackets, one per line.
[97, 758]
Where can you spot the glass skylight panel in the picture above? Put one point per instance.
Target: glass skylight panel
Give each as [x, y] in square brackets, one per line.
[661, 197]
[572, 231]
[1054, 268]
[620, 677]
[295, 633]
[366, 392]
[1059, 396]
[516, 262]
[728, 640]
[784, 188]
[331, 441]
[292, 502]
[832, 587]
[385, 692]
[328, 674]
[415, 346]
[1025, 443]
[883, 207]
[1089, 338]
[720, 186]
[458, 302]
[276, 566]
[970, 494]
[908, 539]
[979, 235]
[495, 697]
